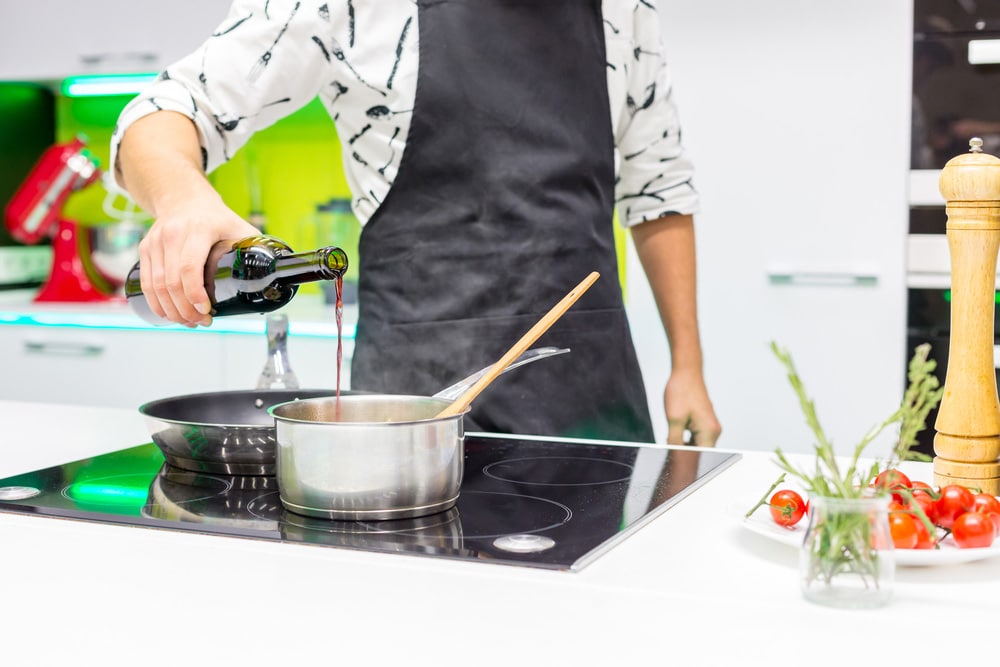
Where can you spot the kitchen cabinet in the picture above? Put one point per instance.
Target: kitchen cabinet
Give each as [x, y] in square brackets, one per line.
[106, 367]
[103, 355]
[39, 42]
[797, 116]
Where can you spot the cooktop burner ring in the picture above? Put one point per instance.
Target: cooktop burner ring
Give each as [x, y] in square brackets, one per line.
[560, 514]
[601, 471]
[548, 524]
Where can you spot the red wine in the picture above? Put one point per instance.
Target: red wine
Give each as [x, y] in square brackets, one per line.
[339, 314]
[258, 274]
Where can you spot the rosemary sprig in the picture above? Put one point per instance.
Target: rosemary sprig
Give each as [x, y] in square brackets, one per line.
[827, 478]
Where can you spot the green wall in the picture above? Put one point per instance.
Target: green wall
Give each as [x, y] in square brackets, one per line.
[27, 128]
[294, 163]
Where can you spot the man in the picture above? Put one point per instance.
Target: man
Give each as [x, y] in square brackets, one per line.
[485, 160]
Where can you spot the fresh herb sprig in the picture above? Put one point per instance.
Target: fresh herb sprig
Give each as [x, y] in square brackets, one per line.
[843, 541]
[828, 478]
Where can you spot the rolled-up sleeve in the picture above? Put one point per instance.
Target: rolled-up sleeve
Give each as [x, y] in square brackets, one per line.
[655, 174]
[264, 61]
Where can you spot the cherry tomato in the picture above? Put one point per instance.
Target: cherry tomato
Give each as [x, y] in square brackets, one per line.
[995, 518]
[925, 540]
[922, 486]
[955, 500]
[891, 479]
[787, 507]
[984, 503]
[903, 528]
[928, 503]
[973, 530]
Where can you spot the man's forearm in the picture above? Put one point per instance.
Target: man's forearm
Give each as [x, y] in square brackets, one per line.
[159, 162]
[666, 249]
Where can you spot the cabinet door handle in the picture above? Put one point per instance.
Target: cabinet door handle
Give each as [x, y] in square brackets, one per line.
[131, 58]
[64, 349]
[831, 278]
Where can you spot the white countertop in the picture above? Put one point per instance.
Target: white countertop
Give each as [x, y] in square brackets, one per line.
[693, 587]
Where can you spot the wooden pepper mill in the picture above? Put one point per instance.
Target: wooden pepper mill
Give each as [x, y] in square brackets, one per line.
[967, 442]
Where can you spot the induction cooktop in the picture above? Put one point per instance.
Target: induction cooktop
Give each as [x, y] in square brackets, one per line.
[538, 502]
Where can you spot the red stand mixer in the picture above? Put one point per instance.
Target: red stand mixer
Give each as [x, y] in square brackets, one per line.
[34, 213]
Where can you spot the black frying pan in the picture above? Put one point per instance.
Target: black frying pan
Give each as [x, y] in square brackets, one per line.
[226, 432]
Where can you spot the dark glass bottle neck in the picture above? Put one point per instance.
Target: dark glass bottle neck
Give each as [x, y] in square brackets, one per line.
[303, 267]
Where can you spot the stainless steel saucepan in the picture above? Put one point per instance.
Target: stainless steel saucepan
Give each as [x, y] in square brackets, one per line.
[372, 456]
[231, 432]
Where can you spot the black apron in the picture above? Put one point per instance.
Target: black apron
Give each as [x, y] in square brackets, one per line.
[503, 203]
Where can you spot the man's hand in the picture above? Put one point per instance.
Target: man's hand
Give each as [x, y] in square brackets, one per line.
[159, 163]
[688, 408]
[173, 255]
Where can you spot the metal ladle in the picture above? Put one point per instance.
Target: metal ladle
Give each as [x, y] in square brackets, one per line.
[454, 391]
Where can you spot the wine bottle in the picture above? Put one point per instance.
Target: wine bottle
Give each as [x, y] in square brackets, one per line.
[258, 274]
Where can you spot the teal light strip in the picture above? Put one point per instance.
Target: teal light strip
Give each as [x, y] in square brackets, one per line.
[106, 84]
[255, 326]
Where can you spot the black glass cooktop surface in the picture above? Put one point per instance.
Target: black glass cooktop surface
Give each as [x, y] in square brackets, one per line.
[555, 504]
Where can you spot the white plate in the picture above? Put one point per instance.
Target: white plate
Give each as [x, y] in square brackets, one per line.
[761, 523]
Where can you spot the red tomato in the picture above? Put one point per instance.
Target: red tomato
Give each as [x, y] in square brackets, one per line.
[922, 486]
[995, 518]
[955, 500]
[973, 530]
[925, 540]
[787, 507]
[903, 529]
[891, 479]
[926, 503]
[984, 503]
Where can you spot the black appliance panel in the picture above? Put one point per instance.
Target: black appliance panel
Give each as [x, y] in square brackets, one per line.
[929, 321]
[953, 99]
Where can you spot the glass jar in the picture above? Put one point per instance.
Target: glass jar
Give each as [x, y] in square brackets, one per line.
[846, 558]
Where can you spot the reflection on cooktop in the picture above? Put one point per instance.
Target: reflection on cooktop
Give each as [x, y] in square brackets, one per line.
[555, 504]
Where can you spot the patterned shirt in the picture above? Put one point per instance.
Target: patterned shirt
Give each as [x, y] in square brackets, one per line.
[269, 58]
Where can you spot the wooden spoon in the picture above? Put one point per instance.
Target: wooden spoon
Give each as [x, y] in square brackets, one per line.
[463, 401]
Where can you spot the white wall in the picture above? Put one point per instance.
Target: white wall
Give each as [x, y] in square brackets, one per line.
[797, 114]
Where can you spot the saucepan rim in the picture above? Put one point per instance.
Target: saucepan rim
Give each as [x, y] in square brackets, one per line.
[442, 402]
